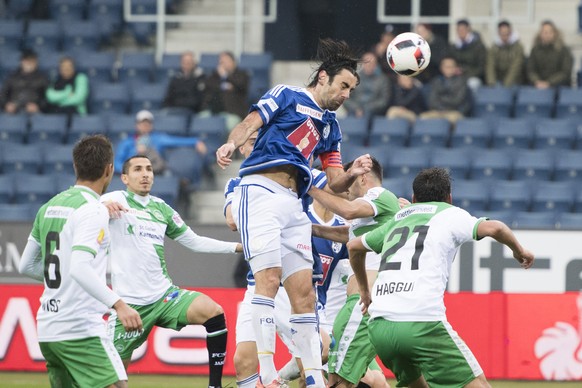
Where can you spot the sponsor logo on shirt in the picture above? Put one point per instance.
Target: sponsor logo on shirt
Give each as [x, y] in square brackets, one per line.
[177, 219]
[305, 137]
[58, 212]
[309, 111]
[140, 213]
[129, 229]
[417, 209]
[305, 247]
[101, 236]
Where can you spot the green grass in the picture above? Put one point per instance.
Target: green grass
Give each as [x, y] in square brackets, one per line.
[40, 380]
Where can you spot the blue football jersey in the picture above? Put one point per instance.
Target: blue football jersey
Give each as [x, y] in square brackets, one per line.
[294, 130]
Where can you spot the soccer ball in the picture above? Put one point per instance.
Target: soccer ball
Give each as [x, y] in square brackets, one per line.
[408, 54]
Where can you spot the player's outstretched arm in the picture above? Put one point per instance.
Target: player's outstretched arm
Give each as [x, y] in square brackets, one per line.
[341, 206]
[357, 252]
[238, 136]
[339, 180]
[197, 243]
[339, 234]
[501, 233]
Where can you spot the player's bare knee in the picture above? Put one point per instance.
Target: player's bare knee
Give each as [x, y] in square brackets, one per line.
[245, 364]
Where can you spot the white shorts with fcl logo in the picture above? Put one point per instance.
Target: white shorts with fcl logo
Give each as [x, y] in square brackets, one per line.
[275, 231]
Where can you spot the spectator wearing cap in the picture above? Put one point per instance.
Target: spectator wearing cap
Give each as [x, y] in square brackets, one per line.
[24, 90]
[152, 144]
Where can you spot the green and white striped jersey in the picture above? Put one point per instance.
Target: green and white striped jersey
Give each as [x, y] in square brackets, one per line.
[72, 220]
[418, 247]
[385, 205]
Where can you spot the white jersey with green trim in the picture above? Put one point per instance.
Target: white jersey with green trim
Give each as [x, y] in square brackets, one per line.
[138, 265]
[418, 247]
[71, 220]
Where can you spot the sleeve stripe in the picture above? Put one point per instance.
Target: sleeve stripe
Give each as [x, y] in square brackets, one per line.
[84, 249]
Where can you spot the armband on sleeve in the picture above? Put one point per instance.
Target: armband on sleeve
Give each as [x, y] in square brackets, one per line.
[331, 159]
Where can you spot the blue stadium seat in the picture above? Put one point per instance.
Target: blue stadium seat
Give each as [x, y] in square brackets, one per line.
[120, 127]
[116, 184]
[391, 132]
[406, 162]
[34, 189]
[354, 130]
[535, 165]
[208, 62]
[513, 133]
[168, 68]
[147, 96]
[136, 68]
[109, 98]
[16, 212]
[568, 166]
[81, 34]
[11, 32]
[259, 68]
[510, 195]
[557, 134]
[493, 102]
[570, 221]
[13, 128]
[58, 159]
[86, 125]
[43, 35]
[534, 103]
[64, 181]
[401, 187]
[48, 61]
[167, 188]
[472, 132]
[141, 31]
[491, 165]
[187, 165]
[67, 11]
[554, 197]
[97, 65]
[457, 161]
[21, 158]
[6, 188]
[212, 130]
[47, 128]
[505, 216]
[353, 151]
[534, 220]
[470, 195]
[19, 9]
[430, 132]
[108, 14]
[172, 124]
[569, 104]
[9, 62]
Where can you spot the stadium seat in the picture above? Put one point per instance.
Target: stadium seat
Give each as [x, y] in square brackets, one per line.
[116, 184]
[172, 124]
[470, 195]
[43, 35]
[168, 68]
[391, 132]
[64, 181]
[47, 128]
[120, 127]
[6, 188]
[19, 9]
[568, 166]
[108, 14]
[98, 66]
[13, 128]
[354, 130]
[557, 134]
[569, 104]
[493, 102]
[534, 103]
[505, 216]
[353, 151]
[188, 166]
[472, 132]
[259, 68]
[401, 187]
[513, 133]
[147, 96]
[167, 188]
[11, 32]
[510, 195]
[554, 197]
[491, 165]
[48, 61]
[109, 98]
[82, 34]
[208, 62]
[66, 11]
[34, 189]
[430, 132]
[58, 159]
[457, 161]
[136, 68]
[406, 162]
[212, 130]
[86, 125]
[16, 212]
[21, 158]
[534, 220]
[141, 31]
[569, 221]
[535, 165]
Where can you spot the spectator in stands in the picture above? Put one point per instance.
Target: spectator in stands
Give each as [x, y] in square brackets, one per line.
[550, 61]
[470, 54]
[380, 49]
[438, 49]
[227, 90]
[408, 101]
[70, 91]
[373, 93]
[506, 58]
[151, 144]
[186, 88]
[24, 90]
[450, 96]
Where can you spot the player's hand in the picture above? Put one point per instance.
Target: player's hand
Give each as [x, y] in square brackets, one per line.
[403, 202]
[115, 209]
[362, 165]
[239, 248]
[365, 301]
[525, 258]
[128, 317]
[224, 154]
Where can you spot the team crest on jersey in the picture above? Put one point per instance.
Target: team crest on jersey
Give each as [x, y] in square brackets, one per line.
[336, 247]
[158, 215]
[326, 131]
[305, 137]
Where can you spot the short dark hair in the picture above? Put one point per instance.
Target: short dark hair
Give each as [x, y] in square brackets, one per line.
[503, 23]
[376, 168]
[432, 185]
[333, 57]
[463, 22]
[125, 167]
[91, 155]
[28, 54]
